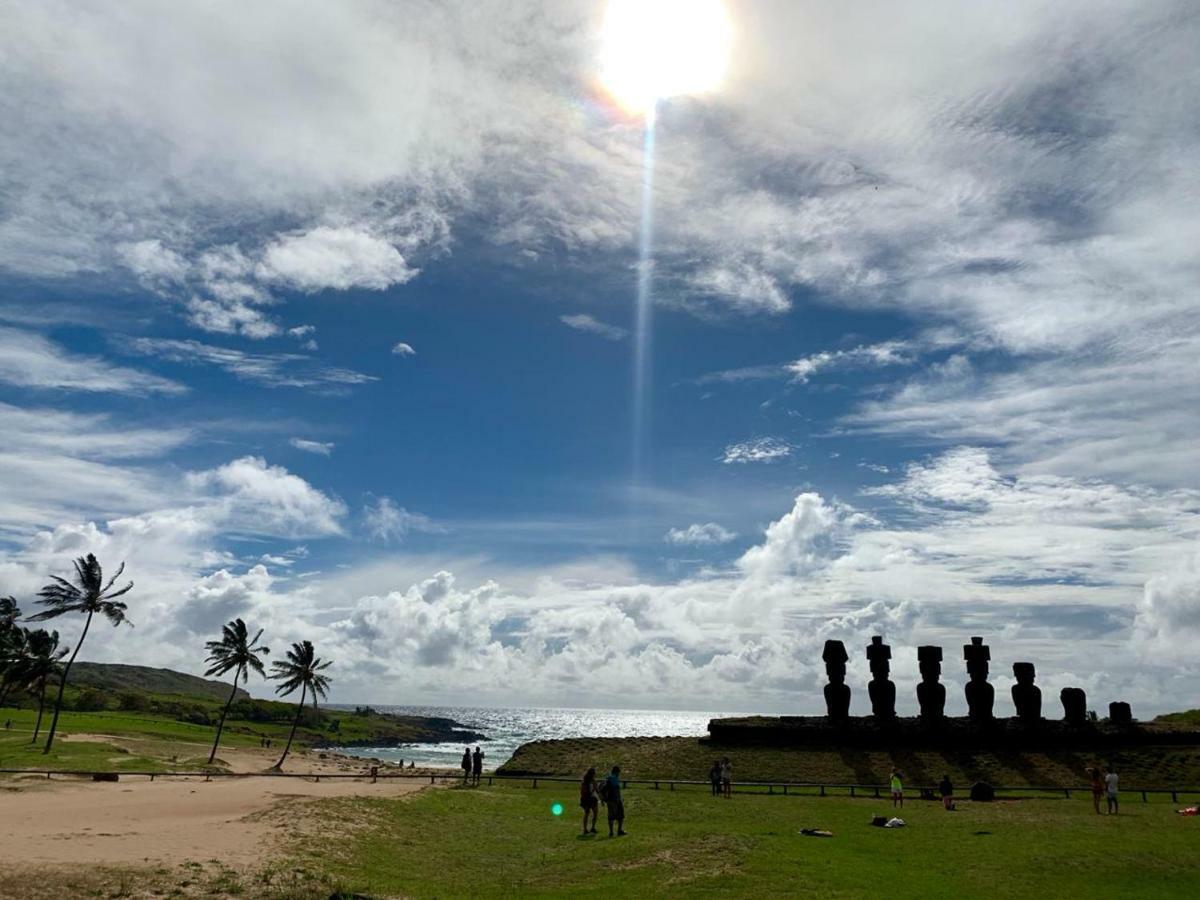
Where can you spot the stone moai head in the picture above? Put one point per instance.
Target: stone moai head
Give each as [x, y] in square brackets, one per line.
[1074, 702]
[835, 657]
[977, 654]
[1024, 672]
[879, 655]
[929, 660]
[1120, 713]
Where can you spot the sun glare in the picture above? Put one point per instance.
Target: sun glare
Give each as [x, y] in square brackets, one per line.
[654, 49]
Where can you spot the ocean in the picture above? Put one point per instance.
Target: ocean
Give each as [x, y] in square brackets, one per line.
[507, 729]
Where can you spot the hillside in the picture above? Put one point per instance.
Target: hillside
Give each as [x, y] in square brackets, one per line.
[116, 677]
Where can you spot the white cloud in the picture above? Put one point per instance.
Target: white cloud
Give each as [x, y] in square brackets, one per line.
[1167, 619]
[268, 369]
[31, 361]
[262, 498]
[403, 349]
[386, 521]
[334, 258]
[321, 448]
[767, 449]
[584, 322]
[700, 535]
[150, 260]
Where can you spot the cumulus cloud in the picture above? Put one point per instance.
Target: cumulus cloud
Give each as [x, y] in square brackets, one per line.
[700, 535]
[766, 449]
[321, 448]
[259, 496]
[334, 258]
[403, 349]
[591, 325]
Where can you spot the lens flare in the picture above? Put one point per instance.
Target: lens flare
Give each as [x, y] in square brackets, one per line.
[654, 49]
[556, 809]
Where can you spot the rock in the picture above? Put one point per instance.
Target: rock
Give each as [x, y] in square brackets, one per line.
[982, 792]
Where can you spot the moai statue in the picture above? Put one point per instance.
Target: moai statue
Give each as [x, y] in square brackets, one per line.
[981, 696]
[1026, 696]
[882, 691]
[1119, 713]
[837, 692]
[931, 693]
[1074, 702]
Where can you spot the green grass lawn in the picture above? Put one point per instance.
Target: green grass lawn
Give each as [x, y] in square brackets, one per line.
[504, 841]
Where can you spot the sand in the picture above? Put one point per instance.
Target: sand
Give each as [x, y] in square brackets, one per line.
[172, 820]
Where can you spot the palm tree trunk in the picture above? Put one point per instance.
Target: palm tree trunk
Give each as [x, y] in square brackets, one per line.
[41, 705]
[295, 722]
[224, 712]
[62, 683]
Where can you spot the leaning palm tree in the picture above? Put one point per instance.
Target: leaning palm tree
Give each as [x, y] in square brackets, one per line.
[12, 646]
[89, 594]
[235, 650]
[42, 661]
[301, 669]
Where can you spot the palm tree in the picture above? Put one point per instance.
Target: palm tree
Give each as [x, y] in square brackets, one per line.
[12, 645]
[235, 650]
[301, 669]
[89, 594]
[42, 661]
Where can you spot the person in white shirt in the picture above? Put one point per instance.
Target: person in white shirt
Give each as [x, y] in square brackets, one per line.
[1110, 787]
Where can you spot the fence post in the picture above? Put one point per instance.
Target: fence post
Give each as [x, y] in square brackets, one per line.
[535, 782]
[851, 790]
[1174, 797]
[672, 785]
[785, 790]
[489, 781]
[656, 785]
[876, 792]
[822, 790]
[1067, 793]
[1143, 796]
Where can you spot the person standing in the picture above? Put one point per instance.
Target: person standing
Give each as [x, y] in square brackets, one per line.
[714, 777]
[614, 802]
[946, 789]
[477, 765]
[897, 789]
[466, 765]
[588, 800]
[1110, 787]
[727, 778]
[1097, 787]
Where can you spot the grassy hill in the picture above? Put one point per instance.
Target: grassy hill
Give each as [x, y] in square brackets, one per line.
[116, 677]
[690, 758]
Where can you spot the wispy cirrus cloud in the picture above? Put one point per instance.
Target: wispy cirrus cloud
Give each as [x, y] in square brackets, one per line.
[321, 448]
[592, 325]
[698, 534]
[273, 370]
[29, 360]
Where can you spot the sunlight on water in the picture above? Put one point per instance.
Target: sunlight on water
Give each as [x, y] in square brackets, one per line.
[507, 729]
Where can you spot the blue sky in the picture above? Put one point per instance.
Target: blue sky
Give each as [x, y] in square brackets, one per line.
[328, 323]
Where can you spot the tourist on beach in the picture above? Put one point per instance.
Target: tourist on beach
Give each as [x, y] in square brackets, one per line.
[589, 801]
[897, 789]
[612, 799]
[477, 765]
[1110, 786]
[1097, 787]
[946, 789]
[727, 778]
[714, 777]
[466, 765]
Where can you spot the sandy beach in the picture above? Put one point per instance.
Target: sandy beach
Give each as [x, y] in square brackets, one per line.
[173, 820]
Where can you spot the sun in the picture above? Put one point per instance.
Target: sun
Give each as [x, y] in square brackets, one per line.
[654, 49]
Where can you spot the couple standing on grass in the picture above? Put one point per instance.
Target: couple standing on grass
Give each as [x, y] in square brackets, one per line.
[720, 776]
[1104, 784]
[608, 792]
[472, 766]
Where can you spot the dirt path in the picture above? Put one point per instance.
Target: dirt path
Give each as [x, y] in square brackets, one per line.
[164, 821]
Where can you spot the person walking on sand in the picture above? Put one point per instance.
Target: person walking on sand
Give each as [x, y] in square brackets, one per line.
[589, 801]
[897, 789]
[946, 789]
[612, 799]
[714, 777]
[477, 765]
[1097, 787]
[1110, 787]
[727, 778]
[466, 765]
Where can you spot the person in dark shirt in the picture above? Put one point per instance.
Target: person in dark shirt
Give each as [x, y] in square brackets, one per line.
[714, 777]
[588, 800]
[466, 765]
[614, 802]
[477, 766]
[946, 789]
